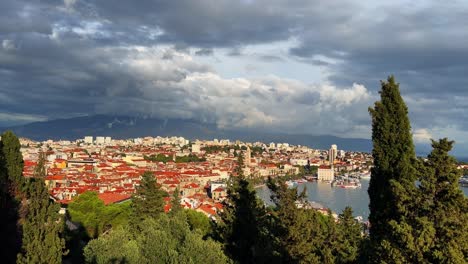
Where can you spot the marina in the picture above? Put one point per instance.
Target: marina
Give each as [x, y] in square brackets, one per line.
[346, 182]
[323, 194]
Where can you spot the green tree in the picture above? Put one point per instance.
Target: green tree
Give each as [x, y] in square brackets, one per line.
[148, 201]
[392, 185]
[90, 212]
[86, 210]
[352, 237]
[12, 161]
[165, 239]
[304, 235]
[42, 227]
[332, 242]
[293, 227]
[40, 170]
[189, 158]
[198, 222]
[158, 158]
[169, 240]
[115, 215]
[117, 246]
[196, 250]
[159, 239]
[444, 206]
[11, 183]
[242, 227]
[465, 172]
[175, 202]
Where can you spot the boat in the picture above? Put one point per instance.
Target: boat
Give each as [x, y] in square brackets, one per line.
[463, 181]
[345, 186]
[346, 183]
[291, 184]
[311, 178]
[365, 176]
[300, 181]
[359, 219]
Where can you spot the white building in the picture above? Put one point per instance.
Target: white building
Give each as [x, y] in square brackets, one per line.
[64, 142]
[225, 142]
[88, 140]
[341, 153]
[217, 184]
[196, 148]
[248, 156]
[325, 173]
[332, 153]
[300, 162]
[108, 140]
[100, 140]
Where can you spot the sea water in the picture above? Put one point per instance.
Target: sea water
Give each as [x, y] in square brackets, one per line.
[335, 198]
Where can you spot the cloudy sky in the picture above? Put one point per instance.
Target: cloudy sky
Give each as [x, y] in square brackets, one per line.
[296, 66]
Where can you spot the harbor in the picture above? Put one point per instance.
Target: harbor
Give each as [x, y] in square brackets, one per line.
[324, 195]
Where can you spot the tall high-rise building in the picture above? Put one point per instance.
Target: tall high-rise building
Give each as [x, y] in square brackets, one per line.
[196, 148]
[100, 140]
[248, 156]
[332, 153]
[88, 140]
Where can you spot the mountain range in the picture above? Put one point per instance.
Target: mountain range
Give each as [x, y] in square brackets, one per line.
[121, 127]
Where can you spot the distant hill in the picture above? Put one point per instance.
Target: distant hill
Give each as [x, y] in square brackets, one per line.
[130, 127]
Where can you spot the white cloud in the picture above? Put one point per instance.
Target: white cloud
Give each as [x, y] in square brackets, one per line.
[17, 118]
[334, 95]
[422, 135]
[8, 44]
[453, 132]
[172, 84]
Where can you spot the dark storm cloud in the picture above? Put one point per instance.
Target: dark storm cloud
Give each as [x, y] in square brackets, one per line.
[204, 52]
[202, 23]
[270, 58]
[369, 41]
[61, 58]
[23, 16]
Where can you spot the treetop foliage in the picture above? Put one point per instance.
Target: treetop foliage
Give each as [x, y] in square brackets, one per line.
[412, 222]
[90, 212]
[148, 201]
[30, 221]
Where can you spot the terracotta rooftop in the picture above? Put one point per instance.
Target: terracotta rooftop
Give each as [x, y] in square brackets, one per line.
[110, 198]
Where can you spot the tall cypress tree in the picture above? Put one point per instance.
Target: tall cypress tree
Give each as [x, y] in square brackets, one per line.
[11, 183]
[42, 227]
[392, 185]
[241, 228]
[444, 206]
[175, 202]
[297, 231]
[40, 170]
[148, 201]
[13, 162]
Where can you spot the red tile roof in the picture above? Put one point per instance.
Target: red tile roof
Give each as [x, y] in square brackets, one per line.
[110, 198]
[207, 209]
